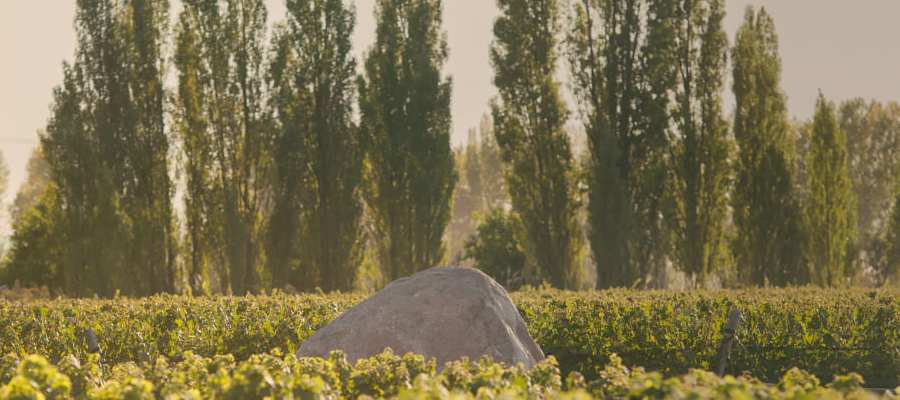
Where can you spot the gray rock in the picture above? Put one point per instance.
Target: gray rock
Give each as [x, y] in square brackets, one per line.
[441, 313]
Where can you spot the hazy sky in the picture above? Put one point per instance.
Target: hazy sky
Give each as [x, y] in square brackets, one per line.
[845, 48]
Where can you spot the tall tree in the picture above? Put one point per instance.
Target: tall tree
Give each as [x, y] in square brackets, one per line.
[473, 170]
[529, 122]
[830, 209]
[4, 175]
[701, 153]
[493, 185]
[885, 258]
[4, 183]
[769, 239]
[225, 126]
[193, 130]
[481, 188]
[404, 102]
[37, 180]
[85, 191]
[316, 219]
[107, 146]
[147, 187]
[34, 257]
[873, 150]
[622, 64]
[467, 198]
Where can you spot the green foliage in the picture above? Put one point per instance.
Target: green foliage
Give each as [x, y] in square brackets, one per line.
[830, 207]
[493, 185]
[316, 222]
[4, 175]
[192, 127]
[885, 259]
[403, 377]
[35, 217]
[142, 330]
[496, 250]
[873, 152]
[466, 197]
[225, 126]
[622, 66]
[701, 178]
[283, 188]
[404, 102]
[147, 187]
[890, 271]
[769, 239]
[35, 254]
[35, 378]
[529, 121]
[36, 182]
[108, 150]
[826, 332]
[481, 188]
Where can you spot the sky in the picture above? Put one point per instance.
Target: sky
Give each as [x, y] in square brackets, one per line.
[843, 48]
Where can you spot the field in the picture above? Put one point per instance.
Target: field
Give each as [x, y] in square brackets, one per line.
[241, 347]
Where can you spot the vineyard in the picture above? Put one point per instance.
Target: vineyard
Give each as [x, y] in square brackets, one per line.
[220, 347]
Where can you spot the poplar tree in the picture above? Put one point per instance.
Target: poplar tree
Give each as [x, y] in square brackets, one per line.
[193, 130]
[317, 207]
[481, 189]
[4, 175]
[887, 247]
[830, 208]
[473, 171]
[493, 185]
[107, 147]
[701, 152]
[873, 151]
[768, 245]
[404, 102]
[622, 64]
[529, 122]
[67, 141]
[147, 186]
[37, 180]
[33, 255]
[468, 197]
[226, 130]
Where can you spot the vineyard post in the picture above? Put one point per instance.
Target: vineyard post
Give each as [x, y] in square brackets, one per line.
[730, 334]
[89, 338]
[92, 342]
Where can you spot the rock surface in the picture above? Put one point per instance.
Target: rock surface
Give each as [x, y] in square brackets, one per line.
[441, 313]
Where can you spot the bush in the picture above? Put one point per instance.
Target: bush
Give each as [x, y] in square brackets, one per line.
[495, 250]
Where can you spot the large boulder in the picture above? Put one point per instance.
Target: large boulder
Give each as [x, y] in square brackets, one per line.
[441, 313]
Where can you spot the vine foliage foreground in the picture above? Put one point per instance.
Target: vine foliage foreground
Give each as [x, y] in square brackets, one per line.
[386, 375]
[825, 332]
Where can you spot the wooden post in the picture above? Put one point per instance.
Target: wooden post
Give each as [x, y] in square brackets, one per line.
[730, 334]
[92, 343]
[89, 338]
